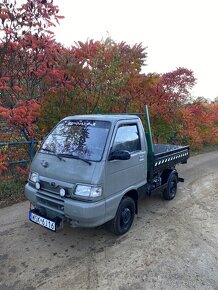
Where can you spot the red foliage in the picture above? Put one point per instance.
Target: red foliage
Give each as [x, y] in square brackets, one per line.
[200, 124]
[28, 55]
[31, 17]
[169, 91]
[23, 171]
[23, 116]
[3, 165]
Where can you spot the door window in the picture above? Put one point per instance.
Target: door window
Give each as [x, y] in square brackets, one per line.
[127, 138]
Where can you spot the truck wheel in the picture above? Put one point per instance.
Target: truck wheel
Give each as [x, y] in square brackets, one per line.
[124, 216]
[171, 189]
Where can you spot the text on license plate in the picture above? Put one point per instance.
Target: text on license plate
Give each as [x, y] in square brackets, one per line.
[42, 221]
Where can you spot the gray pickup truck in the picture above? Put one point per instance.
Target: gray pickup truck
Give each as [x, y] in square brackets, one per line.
[94, 169]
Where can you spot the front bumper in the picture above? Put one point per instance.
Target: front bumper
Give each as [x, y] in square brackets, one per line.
[80, 213]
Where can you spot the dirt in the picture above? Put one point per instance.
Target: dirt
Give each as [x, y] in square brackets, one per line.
[171, 245]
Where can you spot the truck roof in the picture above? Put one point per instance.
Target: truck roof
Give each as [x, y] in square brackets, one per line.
[103, 117]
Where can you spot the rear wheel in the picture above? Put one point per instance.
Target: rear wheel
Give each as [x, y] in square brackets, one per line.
[171, 189]
[124, 216]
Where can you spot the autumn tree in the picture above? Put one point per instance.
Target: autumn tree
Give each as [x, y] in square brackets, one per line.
[105, 78]
[200, 124]
[114, 70]
[28, 53]
[166, 94]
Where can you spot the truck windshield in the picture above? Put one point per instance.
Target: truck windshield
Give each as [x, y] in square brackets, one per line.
[82, 138]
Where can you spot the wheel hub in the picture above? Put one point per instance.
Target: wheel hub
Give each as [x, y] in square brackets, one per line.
[125, 216]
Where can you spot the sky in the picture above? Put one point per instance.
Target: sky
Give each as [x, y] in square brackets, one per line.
[177, 33]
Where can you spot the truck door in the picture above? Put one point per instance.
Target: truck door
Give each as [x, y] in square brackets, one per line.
[122, 175]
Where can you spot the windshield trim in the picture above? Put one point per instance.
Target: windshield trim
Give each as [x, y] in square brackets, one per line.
[106, 140]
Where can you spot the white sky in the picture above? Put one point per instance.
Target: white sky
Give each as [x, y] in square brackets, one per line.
[177, 33]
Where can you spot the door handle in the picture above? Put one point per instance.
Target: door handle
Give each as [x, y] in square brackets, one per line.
[141, 158]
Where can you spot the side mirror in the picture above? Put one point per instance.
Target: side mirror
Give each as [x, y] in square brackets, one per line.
[119, 155]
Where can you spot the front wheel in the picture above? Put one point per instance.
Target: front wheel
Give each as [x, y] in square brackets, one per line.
[124, 216]
[171, 189]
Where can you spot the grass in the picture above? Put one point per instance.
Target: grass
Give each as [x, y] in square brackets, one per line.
[11, 191]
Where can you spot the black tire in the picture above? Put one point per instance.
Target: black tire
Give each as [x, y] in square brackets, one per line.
[171, 189]
[124, 216]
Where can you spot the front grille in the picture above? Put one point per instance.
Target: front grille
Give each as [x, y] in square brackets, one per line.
[48, 196]
[48, 201]
[47, 186]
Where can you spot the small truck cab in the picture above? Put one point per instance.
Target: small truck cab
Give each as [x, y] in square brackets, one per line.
[94, 169]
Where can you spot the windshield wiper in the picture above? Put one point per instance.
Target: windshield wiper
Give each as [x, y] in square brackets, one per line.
[57, 155]
[76, 157]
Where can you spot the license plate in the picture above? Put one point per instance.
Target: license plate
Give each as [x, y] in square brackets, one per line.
[42, 221]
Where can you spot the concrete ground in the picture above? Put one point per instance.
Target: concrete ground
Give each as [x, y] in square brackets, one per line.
[171, 245]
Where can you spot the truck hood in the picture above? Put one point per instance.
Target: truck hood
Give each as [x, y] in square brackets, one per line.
[67, 170]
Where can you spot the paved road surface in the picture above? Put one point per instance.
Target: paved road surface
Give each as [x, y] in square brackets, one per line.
[172, 245]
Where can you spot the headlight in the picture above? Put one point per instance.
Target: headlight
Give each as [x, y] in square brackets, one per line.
[34, 177]
[88, 191]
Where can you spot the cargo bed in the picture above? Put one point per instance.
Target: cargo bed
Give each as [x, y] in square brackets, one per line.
[167, 155]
